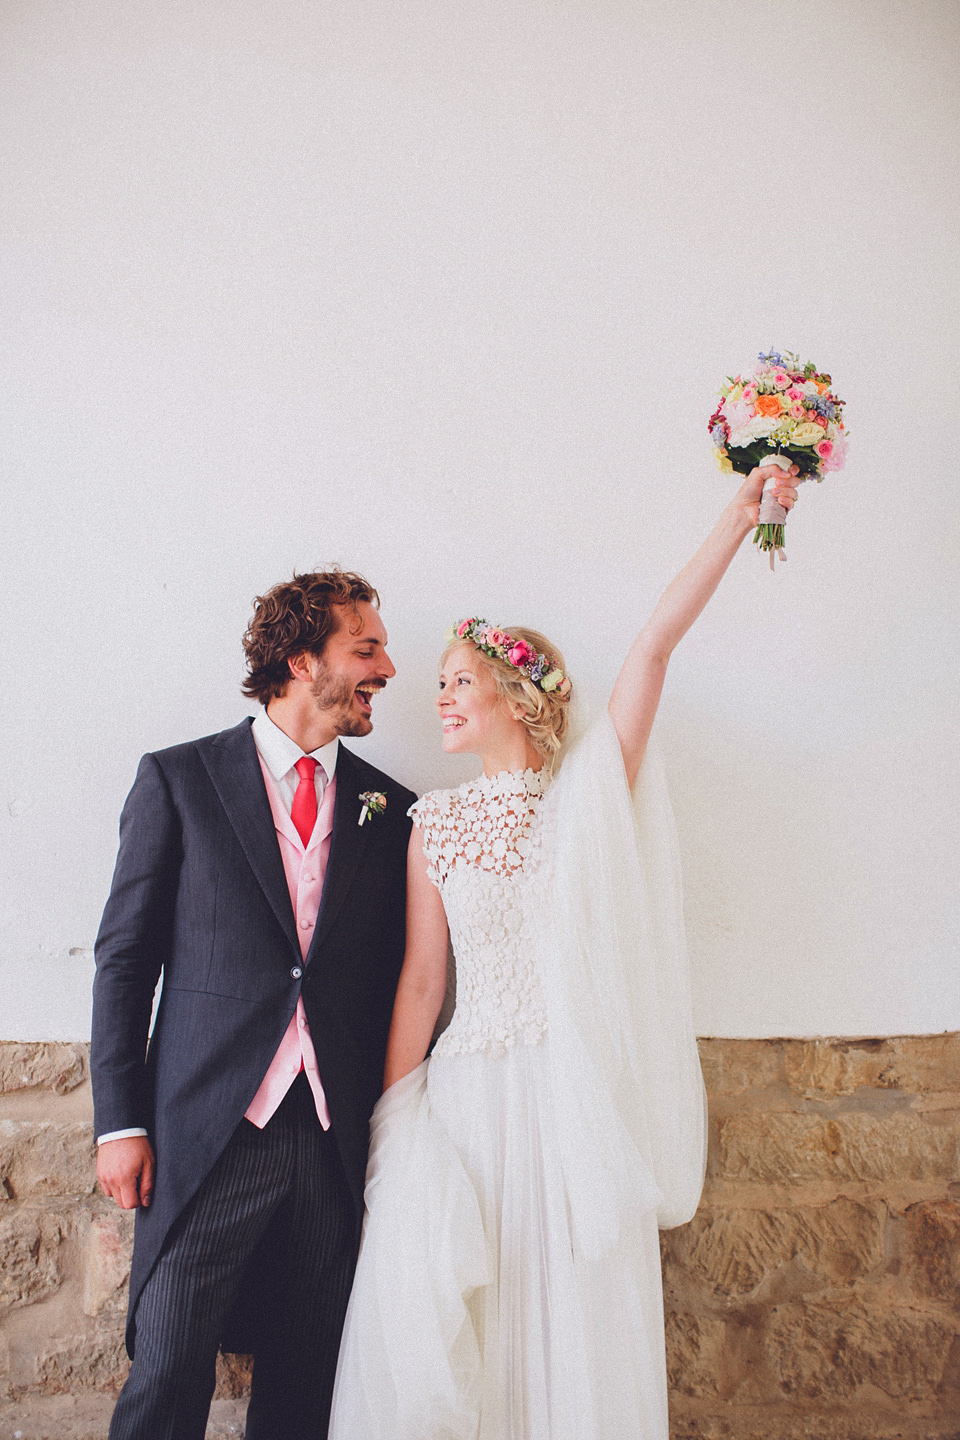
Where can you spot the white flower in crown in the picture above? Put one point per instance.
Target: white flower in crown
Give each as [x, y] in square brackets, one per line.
[374, 803]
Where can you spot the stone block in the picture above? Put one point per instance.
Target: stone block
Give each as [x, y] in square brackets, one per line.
[916, 1064]
[779, 1148]
[96, 1361]
[107, 1269]
[731, 1067]
[816, 1423]
[933, 1229]
[836, 1350]
[695, 1358]
[86, 1416]
[58, 1417]
[234, 1373]
[30, 1257]
[51, 1066]
[46, 1158]
[733, 1251]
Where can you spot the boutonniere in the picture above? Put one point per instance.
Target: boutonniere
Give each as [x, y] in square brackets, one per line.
[374, 803]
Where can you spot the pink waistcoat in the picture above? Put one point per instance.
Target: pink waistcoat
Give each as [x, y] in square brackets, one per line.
[305, 870]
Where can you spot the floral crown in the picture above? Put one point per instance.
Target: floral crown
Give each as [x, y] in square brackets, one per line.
[500, 645]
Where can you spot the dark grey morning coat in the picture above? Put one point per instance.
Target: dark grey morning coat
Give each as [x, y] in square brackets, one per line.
[199, 896]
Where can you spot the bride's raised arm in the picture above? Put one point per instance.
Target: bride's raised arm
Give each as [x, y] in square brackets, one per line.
[636, 695]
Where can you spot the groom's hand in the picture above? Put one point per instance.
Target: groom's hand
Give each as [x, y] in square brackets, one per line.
[125, 1170]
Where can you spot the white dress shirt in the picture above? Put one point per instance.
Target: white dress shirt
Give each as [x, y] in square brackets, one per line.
[280, 755]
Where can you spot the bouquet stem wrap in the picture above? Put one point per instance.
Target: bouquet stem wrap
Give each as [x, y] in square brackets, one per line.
[772, 517]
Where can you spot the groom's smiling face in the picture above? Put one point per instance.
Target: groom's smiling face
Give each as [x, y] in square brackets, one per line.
[352, 668]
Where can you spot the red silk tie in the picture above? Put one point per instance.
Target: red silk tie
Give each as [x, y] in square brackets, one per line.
[303, 812]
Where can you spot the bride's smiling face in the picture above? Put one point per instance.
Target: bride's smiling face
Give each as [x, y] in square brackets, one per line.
[473, 713]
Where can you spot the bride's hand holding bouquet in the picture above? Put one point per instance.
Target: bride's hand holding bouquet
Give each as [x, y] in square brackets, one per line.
[764, 481]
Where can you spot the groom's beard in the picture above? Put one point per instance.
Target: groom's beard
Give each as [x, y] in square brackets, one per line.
[335, 697]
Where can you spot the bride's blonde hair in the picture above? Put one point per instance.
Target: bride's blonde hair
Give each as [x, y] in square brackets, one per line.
[546, 715]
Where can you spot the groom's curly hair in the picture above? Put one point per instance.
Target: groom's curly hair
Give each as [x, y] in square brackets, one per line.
[296, 616]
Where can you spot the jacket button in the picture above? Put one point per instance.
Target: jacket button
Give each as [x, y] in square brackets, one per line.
[296, 972]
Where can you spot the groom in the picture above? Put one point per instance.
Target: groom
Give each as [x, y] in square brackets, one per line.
[276, 921]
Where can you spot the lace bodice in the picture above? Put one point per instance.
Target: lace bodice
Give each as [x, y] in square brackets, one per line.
[476, 840]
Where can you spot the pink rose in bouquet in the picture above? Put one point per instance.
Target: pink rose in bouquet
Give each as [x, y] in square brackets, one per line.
[838, 454]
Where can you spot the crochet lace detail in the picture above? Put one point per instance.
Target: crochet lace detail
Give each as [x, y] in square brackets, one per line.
[476, 840]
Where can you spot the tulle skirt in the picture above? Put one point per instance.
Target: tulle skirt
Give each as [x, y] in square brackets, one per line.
[472, 1316]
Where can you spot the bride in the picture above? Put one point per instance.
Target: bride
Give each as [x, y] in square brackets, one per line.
[508, 1286]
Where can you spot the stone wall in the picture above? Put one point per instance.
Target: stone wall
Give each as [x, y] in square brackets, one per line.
[815, 1296]
[816, 1293]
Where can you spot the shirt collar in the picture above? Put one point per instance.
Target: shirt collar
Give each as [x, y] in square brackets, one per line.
[280, 754]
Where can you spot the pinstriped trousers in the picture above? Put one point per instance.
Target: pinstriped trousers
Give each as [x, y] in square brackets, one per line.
[288, 1174]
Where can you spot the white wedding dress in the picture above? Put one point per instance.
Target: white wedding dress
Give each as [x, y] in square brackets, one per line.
[508, 1286]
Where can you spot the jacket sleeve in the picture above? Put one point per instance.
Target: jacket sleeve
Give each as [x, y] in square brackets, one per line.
[131, 950]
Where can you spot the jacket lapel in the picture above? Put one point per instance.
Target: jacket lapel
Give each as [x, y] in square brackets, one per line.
[347, 844]
[233, 766]
[324, 825]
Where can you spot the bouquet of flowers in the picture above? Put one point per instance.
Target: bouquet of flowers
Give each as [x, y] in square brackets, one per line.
[778, 412]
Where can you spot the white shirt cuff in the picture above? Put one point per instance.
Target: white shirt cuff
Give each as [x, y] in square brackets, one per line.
[120, 1134]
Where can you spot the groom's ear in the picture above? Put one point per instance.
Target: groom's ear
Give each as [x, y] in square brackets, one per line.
[301, 666]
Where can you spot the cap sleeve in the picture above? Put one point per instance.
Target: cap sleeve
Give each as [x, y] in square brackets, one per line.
[432, 816]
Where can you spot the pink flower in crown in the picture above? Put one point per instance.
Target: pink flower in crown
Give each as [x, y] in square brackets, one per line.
[521, 654]
[463, 627]
[497, 637]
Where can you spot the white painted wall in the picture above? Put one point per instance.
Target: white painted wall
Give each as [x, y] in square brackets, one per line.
[444, 291]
